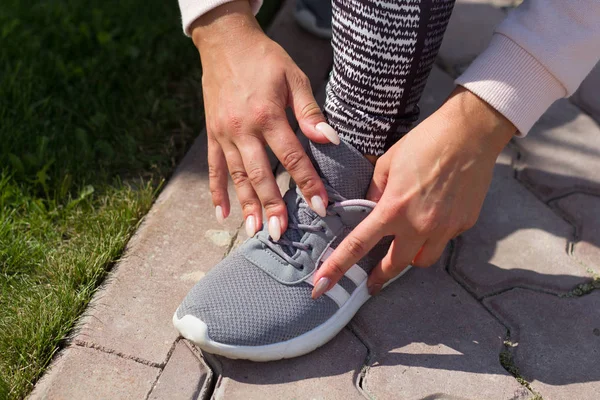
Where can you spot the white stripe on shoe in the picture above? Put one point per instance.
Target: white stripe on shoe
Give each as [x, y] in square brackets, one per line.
[356, 274]
[336, 293]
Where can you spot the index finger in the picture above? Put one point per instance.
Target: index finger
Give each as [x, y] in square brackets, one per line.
[354, 247]
[294, 159]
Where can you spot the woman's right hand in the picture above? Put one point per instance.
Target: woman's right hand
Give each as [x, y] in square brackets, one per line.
[248, 81]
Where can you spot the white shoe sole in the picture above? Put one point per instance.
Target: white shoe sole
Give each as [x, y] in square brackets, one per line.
[196, 331]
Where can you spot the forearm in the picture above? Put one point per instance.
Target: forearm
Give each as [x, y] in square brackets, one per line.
[191, 10]
[540, 53]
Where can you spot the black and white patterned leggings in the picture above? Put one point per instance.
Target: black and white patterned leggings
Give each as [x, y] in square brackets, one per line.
[383, 54]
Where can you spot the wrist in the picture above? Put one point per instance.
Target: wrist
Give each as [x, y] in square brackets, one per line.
[478, 122]
[225, 27]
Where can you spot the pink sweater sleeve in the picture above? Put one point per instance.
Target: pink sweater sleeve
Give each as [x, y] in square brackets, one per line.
[541, 52]
[192, 9]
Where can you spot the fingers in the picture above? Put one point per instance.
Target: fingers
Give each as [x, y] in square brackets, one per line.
[307, 111]
[290, 152]
[217, 175]
[380, 177]
[247, 197]
[399, 256]
[260, 175]
[356, 245]
[430, 253]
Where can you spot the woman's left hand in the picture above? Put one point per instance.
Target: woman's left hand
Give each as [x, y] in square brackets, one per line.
[429, 186]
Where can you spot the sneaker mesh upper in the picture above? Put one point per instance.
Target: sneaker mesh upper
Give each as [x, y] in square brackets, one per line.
[242, 305]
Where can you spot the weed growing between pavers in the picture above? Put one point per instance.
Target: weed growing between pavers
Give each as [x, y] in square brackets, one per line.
[98, 102]
[584, 288]
[508, 363]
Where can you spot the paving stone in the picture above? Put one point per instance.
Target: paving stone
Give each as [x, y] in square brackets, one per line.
[558, 341]
[82, 373]
[469, 31]
[329, 372]
[517, 241]
[185, 376]
[587, 97]
[168, 254]
[584, 211]
[430, 339]
[561, 154]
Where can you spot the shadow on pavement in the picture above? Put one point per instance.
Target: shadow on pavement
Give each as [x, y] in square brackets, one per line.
[429, 322]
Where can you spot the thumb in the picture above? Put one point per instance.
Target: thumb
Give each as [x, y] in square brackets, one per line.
[308, 113]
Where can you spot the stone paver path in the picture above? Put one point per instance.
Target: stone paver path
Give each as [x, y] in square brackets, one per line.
[511, 311]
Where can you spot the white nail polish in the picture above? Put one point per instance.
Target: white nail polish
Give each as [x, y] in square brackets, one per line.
[250, 226]
[219, 215]
[274, 228]
[320, 287]
[328, 132]
[318, 206]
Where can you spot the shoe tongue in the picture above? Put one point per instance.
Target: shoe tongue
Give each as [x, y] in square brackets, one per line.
[343, 167]
[346, 171]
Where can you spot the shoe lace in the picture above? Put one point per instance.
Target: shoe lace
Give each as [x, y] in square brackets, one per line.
[295, 226]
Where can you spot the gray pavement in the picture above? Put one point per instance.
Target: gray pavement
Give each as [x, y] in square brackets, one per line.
[511, 311]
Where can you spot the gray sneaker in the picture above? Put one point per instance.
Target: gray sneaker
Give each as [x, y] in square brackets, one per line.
[314, 16]
[256, 304]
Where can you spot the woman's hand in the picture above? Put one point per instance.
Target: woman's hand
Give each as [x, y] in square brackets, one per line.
[248, 82]
[429, 186]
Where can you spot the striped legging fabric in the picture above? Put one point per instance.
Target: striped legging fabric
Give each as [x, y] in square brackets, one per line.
[383, 54]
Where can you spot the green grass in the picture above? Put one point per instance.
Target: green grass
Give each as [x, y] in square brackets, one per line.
[98, 102]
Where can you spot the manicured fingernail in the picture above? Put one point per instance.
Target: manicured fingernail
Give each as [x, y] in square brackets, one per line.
[219, 215]
[374, 288]
[320, 287]
[318, 206]
[250, 226]
[328, 132]
[274, 228]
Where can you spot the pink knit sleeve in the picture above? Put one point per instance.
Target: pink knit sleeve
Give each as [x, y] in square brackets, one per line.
[193, 9]
[541, 52]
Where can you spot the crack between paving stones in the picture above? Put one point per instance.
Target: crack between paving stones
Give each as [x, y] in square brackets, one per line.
[206, 391]
[518, 166]
[360, 382]
[530, 186]
[82, 343]
[502, 358]
[162, 369]
[579, 290]
[577, 227]
[216, 369]
[506, 359]
[577, 190]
